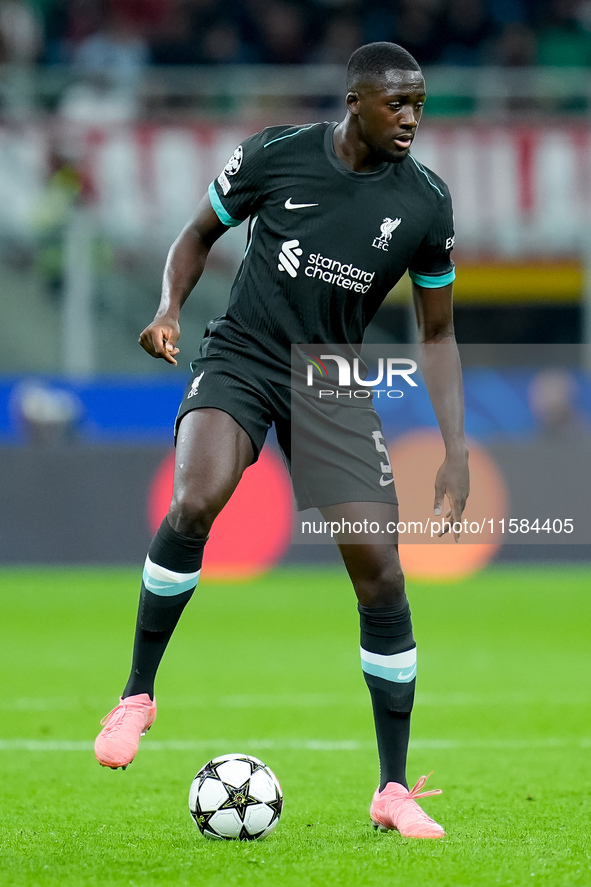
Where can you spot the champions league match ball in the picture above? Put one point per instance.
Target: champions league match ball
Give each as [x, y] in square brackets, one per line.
[235, 796]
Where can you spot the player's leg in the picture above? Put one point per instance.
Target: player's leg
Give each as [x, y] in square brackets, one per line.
[212, 452]
[388, 657]
[388, 649]
[333, 448]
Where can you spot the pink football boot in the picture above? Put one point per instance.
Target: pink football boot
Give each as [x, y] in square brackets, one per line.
[396, 808]
[117, 743]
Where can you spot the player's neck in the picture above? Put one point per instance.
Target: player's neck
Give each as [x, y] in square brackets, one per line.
[352, 150]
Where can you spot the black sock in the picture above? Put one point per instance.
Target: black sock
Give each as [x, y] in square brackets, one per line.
[170, 575]
[388, 658]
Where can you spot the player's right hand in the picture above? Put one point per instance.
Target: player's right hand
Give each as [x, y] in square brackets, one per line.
[160, 337]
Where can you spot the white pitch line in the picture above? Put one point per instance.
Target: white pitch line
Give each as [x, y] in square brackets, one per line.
[61, 745]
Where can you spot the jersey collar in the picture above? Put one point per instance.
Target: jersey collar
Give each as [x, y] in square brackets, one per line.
[374, 176]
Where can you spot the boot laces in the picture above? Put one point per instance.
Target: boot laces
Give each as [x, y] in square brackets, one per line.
[116, 714]
[416, 792]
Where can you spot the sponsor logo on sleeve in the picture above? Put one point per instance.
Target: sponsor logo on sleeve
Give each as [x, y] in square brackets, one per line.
[224, 182]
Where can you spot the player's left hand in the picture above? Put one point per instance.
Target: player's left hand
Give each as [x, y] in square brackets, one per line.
[453, 481]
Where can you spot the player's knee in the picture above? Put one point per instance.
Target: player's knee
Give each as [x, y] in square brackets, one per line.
[381, 586]
[192, 516]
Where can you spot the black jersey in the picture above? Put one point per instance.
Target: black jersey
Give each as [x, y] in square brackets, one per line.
[325, 244]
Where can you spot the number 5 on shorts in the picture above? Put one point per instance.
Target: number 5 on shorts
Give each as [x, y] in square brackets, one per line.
[386, 467]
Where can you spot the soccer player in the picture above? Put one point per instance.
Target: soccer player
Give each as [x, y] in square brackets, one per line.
[351, 198]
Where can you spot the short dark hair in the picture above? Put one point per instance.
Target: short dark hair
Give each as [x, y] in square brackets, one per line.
[372, 61]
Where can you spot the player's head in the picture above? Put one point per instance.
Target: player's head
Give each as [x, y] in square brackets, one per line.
[385, 97]
[371, 62]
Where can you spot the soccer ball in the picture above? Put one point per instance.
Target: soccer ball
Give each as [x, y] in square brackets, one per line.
[235, 796]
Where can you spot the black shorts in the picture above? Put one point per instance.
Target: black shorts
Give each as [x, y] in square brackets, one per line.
[335, 452]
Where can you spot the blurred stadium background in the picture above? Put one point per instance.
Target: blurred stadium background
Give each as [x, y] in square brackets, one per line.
[114, 118]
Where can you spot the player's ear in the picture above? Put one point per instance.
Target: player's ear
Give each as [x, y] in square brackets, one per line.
[352, 101]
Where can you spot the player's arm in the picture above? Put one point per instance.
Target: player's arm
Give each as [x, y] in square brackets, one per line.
[440, 364]
[230, 200]
[184, 266]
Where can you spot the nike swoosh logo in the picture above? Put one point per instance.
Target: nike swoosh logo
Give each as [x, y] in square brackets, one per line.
[384, 481]
[290, 205]
[404, 677]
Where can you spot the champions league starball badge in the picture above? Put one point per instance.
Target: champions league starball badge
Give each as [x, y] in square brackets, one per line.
[235, 162]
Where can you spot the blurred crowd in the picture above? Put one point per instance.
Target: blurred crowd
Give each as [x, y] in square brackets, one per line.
[126, 35]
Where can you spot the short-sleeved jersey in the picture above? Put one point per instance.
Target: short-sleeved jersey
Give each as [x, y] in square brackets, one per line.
[325, 244]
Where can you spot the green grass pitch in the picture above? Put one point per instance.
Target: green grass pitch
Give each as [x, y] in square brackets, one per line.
[271, 668]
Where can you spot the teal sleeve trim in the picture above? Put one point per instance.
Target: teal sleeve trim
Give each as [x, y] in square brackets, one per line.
[432, 281]
[220, 212]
